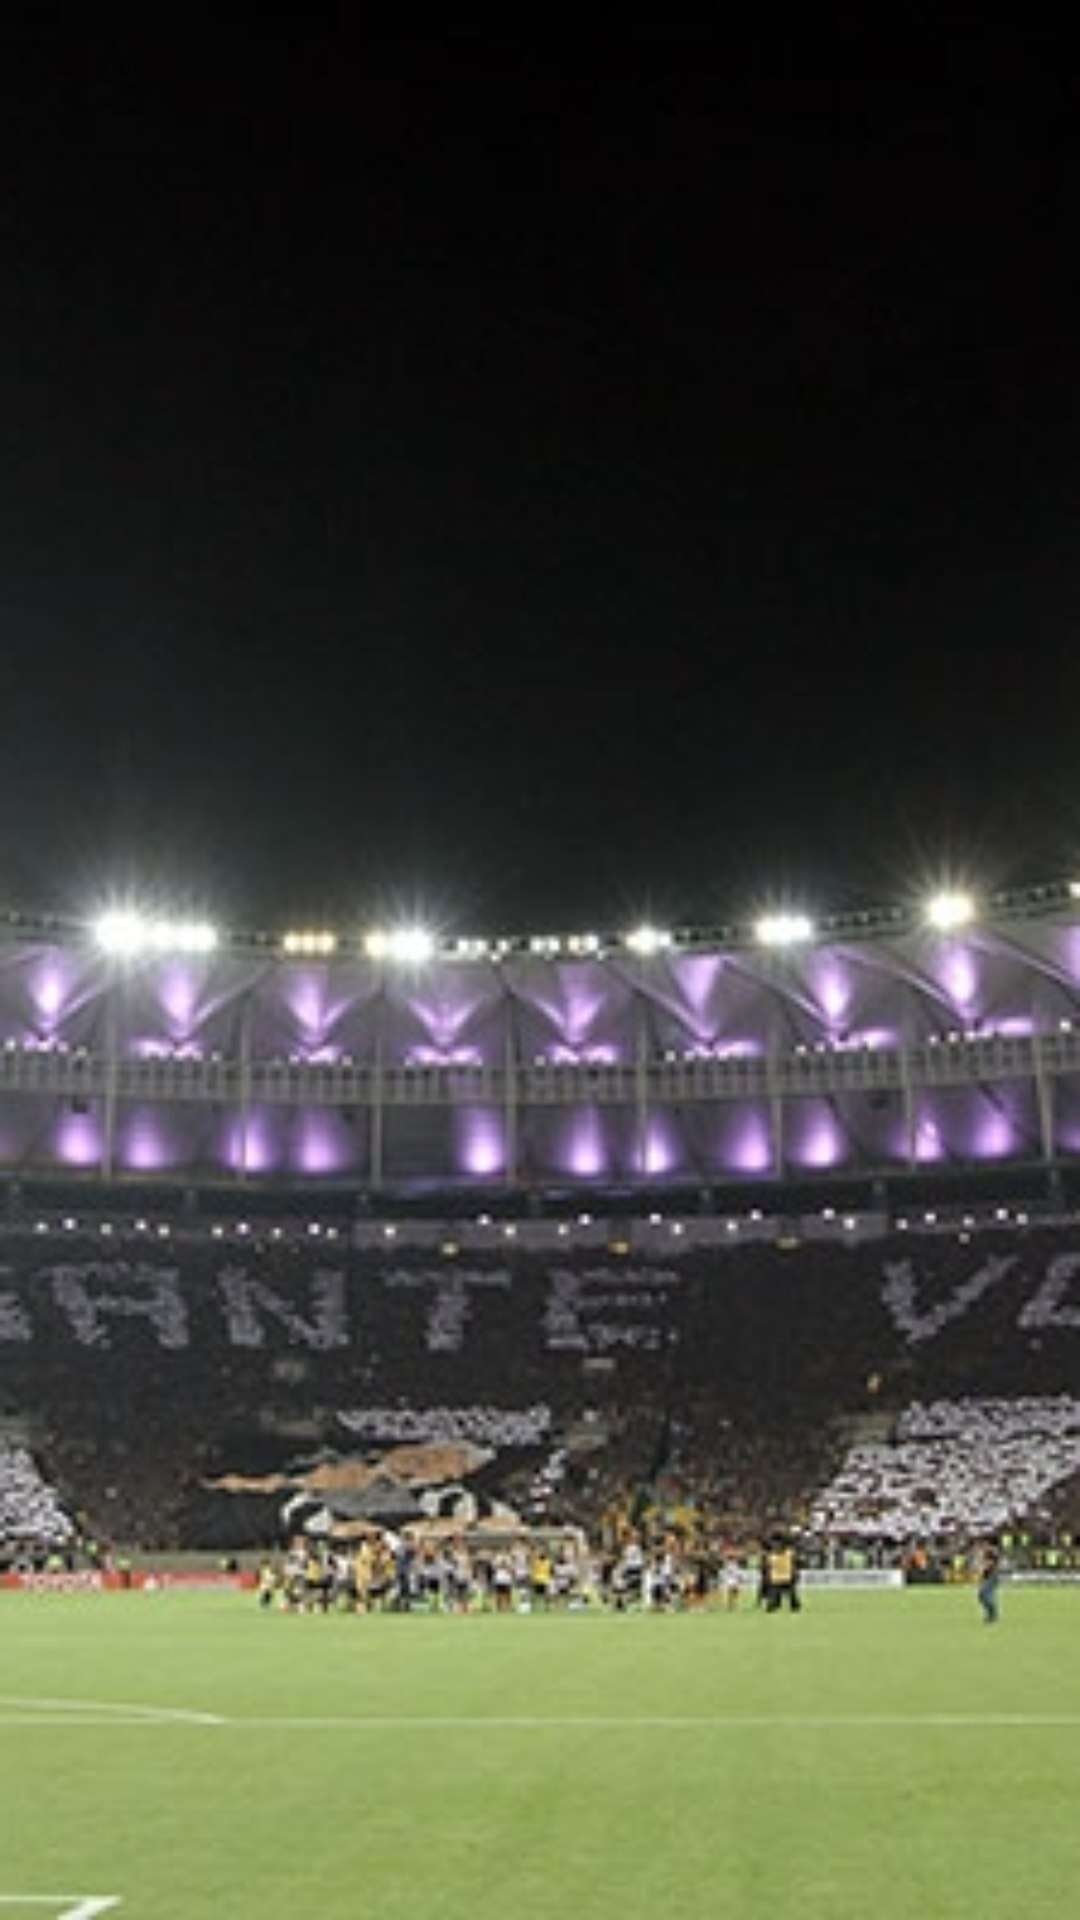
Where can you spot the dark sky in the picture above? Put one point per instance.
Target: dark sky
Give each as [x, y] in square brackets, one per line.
[536, 481]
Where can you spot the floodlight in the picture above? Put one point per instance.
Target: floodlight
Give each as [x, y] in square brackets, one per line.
[948, 910]
[647, 940]
[408, 946]
[1074, 889]
[122, 931]
[783, 929]
[310, 943]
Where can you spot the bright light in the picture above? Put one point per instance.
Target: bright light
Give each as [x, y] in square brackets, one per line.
[646, 940]
[124, 932]
[948, 910]
[545, 943]
[311, 944]
[783, 929]
[584, 943]
[408, 946]
[120, 932]
[1074, 889]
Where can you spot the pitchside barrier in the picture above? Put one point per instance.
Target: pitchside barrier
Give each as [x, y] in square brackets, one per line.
[852, 1577]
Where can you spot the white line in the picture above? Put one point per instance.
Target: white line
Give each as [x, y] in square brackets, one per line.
[71, 1906]
[533, 1723]
[132, 1709]
[483, 1723]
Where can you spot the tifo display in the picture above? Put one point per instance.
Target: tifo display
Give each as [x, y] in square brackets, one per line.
[867, 1402]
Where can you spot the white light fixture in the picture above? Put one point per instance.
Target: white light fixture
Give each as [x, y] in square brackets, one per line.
[647, 940]
[406, 946]
[783, 929]
[311, 944]
[125, 932]
[1074, 889]
[121, 932]
[947, 911]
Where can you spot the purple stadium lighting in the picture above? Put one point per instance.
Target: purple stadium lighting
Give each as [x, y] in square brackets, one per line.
[480, 1144]
[78, 1140]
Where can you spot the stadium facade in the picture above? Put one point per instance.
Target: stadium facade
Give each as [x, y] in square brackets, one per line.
[879, 1047]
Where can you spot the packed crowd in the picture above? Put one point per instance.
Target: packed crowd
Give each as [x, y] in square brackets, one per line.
[32, 1516]
[955, 1467]
[725, 1385]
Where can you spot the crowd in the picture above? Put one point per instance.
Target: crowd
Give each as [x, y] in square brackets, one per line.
[32, 1517]
[954, 1468]
[723, 1386]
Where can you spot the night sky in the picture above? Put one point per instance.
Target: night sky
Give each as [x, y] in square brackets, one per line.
[531, 484]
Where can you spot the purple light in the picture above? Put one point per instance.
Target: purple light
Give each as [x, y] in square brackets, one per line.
[959, 976]
[444, 1019]
[1016, 1027]
[744, 1144]
[49, 988]
[817, 1141]
[994, 1137]
[582, 1000]
[479, 1146]
[305, 996]
[873, 1037]
[179, 996]
[143, 1147]
[663, 1149]
[560, 1056]
[929, 1146]
[724, 1050]
[697, 975]
[581, 1148]
[323, 1144]
[78, 1140]
[443, 1056]
[256, 1153]
[832, 985]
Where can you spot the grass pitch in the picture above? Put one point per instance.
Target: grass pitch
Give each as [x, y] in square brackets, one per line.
[881, 1754]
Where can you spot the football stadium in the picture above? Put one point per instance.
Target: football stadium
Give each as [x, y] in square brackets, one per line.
[569, 1423]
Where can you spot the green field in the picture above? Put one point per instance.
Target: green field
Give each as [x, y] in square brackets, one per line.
[881, 1755]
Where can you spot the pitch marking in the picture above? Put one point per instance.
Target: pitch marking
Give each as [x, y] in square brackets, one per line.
[39, 1704]
[69, 1906]
[89, 1714]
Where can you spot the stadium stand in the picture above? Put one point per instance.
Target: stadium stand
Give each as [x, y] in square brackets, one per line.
[798, 1383]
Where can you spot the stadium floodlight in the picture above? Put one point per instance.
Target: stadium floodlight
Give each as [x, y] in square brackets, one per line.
[1074, 889]
[121, 931]
[406, 946]
[946, 911]
[124, 932]
[192, 937]
[545, 943]
[584, 943]
[647, 940]
[310, 943]
[783, 929]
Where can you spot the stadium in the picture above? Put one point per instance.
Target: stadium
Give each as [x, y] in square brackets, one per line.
[897, 1043]
[512, 1310]
[391, 1155]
